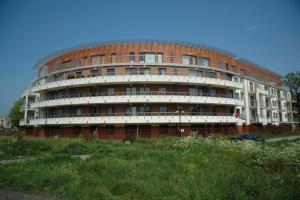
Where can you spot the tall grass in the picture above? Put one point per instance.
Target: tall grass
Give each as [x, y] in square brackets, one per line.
[181, 168]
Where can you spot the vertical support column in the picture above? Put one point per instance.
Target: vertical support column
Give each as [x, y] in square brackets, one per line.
[246, 101]
[25, 107]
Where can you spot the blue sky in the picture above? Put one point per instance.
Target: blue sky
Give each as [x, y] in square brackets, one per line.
[265, 32]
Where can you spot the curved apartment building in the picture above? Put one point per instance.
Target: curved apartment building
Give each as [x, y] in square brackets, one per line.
[150, 89]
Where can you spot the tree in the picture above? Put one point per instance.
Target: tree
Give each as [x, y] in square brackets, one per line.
[292, 81]
[15, 114]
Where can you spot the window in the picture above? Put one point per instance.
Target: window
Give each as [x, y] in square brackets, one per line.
[110, 91]
[113, 58]
[211, 74]
[67, 64]
[162, 91]
[203, 61]
[145, 71]
[95, 110]
[110, 110]
[235, 79]
[163, 129]
[193, 91]
[131, 71]
[97, 59]
[189, 60]
[159, 58]
[221, 64]
[78, 112]
[193, 72]
[145, 131]
[79, 74]
[144, 109]
[233, 68]
[162, 71]
[95, 91]
[95, 72]
[132, 57]
[227, 66]
[58, 77]
[243, 72]
[150, 58]
[131, 110]
[163, 109]
[110, 71]
[251, 85]
[144, 90]
[212, 92]
[142, 57]
[109, 130]
[131, 91]
[186, 60]
[175, 71]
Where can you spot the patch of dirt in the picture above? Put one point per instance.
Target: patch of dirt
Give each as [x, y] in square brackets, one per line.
[6, 194]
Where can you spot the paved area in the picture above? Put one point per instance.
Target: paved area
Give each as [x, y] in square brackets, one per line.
[6, 194]
[283, 138]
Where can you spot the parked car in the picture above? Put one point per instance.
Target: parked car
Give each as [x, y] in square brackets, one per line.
[247, 136]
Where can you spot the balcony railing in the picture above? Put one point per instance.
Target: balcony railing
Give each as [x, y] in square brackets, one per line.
[66, 77]
[262, 104]
[136, 114]
[139, 93]
[136, 59]
[252, 103]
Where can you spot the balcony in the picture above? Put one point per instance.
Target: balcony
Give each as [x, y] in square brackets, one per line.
[137, 118]
[145, 97]
[24, 122]
[262, 104]
[141, 78]
[23, 107]
[252, 103]
[138, 59]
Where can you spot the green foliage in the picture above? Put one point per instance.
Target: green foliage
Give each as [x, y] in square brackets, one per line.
[292, 81]
[15, 113]
[74, 149]
[15, 148]
[175, 168]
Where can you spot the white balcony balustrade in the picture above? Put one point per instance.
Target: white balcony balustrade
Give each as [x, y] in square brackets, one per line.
[145, 97]
[136, 118]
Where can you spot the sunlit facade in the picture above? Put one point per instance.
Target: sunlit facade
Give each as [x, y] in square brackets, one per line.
[152, 89]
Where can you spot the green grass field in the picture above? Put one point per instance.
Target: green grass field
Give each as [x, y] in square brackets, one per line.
[178, 168]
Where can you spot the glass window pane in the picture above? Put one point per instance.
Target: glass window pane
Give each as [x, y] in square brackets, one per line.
[142, 57]
[193, 60]
[159, 58]
[204, 62]
[186, 60]
[132, 57]
[193, 73]
[162, 91]
[162, 109]
[162, 71]
[150, 58]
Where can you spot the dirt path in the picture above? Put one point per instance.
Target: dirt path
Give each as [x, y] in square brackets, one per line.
[6, 194]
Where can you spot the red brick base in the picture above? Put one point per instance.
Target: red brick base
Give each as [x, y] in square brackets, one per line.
[119, 132]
